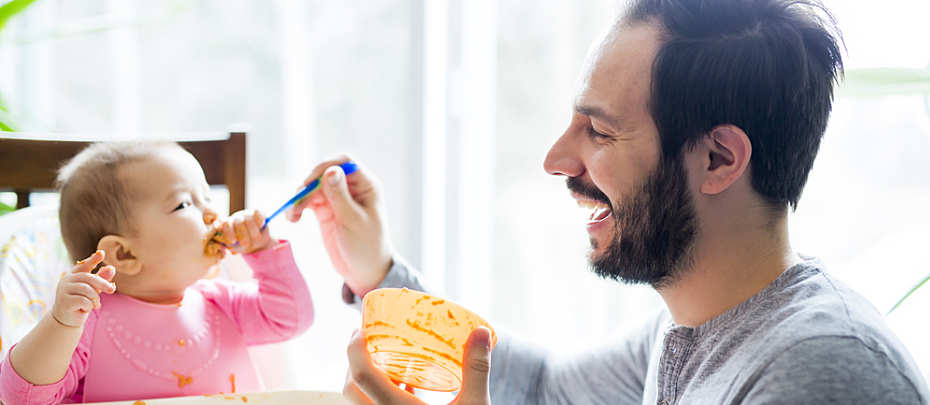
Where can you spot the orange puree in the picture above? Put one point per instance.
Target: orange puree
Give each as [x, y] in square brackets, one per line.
[215, 243]
[417, 339]
[183, 380]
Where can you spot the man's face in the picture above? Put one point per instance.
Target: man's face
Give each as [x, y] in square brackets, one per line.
[643, 224]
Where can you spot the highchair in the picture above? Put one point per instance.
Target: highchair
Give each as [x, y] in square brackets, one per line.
[34, 257]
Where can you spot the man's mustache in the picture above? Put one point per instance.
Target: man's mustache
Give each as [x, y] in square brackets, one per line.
[584, 189]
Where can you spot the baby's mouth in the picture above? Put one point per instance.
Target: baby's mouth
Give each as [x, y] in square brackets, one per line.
[599, 211]
[215, 242]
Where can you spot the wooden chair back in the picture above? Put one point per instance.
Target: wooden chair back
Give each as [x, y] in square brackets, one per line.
[30, 163]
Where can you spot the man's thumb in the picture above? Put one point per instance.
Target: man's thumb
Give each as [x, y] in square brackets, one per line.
[476, 367]
[337, 192]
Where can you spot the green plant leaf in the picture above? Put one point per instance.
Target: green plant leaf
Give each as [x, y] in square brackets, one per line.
[6, 209]
[874, 82]
[914, 288]
[12, 8]
[8, 123]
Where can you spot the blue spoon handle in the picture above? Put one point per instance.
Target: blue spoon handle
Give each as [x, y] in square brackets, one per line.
[347, 167]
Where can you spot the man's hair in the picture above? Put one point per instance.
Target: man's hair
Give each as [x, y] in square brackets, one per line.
[766, 66]
[95, 199]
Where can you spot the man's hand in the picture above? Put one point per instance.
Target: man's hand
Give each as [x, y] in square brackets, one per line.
[353, 223]
[79, 291]
[244, 234]
[366, 384]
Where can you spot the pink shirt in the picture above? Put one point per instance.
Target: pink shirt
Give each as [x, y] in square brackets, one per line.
[135, 350]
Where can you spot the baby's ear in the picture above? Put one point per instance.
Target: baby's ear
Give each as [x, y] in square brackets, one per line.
[119, 255]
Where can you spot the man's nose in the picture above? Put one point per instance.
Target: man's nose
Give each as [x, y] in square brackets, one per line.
[562, 158]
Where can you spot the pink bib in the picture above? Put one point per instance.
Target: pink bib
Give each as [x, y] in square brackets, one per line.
[142, 351]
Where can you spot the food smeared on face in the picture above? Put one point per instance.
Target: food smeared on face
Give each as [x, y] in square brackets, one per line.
[215, 242]
[210, 217]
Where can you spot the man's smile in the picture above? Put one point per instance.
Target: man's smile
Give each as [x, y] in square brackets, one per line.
[599, 210]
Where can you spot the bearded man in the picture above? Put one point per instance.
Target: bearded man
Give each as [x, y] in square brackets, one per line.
[695, 125]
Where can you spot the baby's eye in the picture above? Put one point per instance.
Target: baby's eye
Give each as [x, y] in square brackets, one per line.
[182, 206]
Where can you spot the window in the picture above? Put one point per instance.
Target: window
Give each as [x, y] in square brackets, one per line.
[453, 104]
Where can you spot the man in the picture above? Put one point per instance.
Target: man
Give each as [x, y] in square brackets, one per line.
[696, 123]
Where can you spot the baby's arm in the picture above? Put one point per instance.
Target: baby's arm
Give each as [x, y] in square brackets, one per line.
[43, 356]
[278, 309]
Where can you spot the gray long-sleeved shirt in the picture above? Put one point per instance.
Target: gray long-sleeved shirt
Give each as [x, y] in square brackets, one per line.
[805, 339]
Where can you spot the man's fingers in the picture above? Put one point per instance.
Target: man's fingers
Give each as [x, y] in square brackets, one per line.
[370, 380]
[90, 263]
[320, 168]
[337, 192]
[324, 212]
[476, 367]
[353, 395]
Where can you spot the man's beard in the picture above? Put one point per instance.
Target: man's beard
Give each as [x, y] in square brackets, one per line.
[654, 229]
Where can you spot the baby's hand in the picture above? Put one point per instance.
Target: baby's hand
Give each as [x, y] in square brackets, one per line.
[243, 230]
[79, 291]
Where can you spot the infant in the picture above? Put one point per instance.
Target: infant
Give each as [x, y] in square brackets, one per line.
[139, 215]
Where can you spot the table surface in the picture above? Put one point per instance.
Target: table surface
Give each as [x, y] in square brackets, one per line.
[266, 397]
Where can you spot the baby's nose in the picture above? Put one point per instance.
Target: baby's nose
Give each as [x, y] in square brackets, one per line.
[209, 216]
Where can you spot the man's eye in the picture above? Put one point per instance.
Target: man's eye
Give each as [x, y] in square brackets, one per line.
[597, 136]
[182, 206]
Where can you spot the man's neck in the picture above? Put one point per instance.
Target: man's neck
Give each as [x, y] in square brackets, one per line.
[733, 260]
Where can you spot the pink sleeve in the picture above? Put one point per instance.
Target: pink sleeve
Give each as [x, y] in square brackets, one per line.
[278, 309]
[14, 390]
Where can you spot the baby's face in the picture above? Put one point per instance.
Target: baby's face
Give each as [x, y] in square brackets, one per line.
[169, 214]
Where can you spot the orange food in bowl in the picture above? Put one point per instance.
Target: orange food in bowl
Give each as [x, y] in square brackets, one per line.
[418, 339]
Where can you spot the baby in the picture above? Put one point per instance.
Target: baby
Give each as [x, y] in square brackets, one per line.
[140, 214]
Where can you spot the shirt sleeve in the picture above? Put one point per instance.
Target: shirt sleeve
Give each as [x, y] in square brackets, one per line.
[832, 370]
[523, 373]
[14, 390]
[613, 372]
[400, 275]
[277, 309]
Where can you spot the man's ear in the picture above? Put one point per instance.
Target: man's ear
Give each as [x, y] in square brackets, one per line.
[727, 156]
[119, 254]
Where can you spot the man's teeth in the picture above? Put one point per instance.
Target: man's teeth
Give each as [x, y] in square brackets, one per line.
[598, 212]
[592, 205]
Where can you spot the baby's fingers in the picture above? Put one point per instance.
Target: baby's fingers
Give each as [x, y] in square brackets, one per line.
[98, 282]
[107, 273]
[254, 225]
[229, 233]
[88, 264]
[80, 297]
[242, 232]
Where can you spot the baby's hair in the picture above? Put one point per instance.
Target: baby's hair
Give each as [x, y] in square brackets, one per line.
[95, 201]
